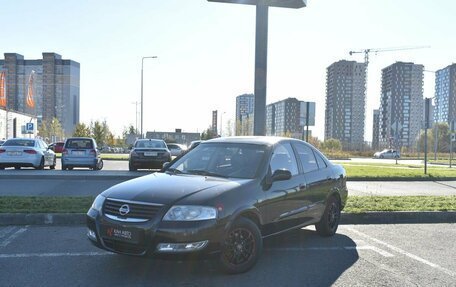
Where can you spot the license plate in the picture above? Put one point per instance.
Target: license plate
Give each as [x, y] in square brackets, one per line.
[119, 233]
[78, 152]
[150, 153]
[14, 153]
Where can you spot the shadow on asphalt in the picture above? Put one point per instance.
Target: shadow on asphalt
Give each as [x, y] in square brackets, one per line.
[297, 258]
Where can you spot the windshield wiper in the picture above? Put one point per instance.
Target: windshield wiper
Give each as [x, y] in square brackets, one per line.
[174, 170]
[205, 172]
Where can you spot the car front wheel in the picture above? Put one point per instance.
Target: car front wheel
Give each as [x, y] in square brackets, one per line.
[330, 220]
[242, 247]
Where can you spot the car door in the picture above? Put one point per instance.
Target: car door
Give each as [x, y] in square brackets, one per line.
[319, 178]
[275, 208]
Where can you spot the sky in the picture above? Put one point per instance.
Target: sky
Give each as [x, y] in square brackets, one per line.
[206, 52]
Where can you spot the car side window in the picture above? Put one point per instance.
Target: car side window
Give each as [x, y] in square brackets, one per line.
[283, 158]
[320, 161]
[307, 157]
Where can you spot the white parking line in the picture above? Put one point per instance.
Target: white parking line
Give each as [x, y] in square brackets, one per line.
[5, 231]
[403, 252]
[335, 248]
[13, 236]
[28, 255]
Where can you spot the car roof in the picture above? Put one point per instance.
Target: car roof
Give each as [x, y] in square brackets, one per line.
[261, 140]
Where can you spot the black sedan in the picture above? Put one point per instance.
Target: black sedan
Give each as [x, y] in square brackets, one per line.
[221, 198]
[148, 153]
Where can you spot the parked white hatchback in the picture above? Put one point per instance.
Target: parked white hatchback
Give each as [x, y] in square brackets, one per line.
[23, 152]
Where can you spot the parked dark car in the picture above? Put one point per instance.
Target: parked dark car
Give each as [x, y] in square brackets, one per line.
[148, 153]
[57, 147]
[81, 152]
[221, 198]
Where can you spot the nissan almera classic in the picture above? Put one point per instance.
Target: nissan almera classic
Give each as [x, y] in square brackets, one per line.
[221, 198]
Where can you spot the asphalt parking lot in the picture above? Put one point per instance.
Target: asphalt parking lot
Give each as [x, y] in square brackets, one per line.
[359, 255]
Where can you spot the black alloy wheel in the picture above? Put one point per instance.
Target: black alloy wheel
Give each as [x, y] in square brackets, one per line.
[41, 166]
[242, 247]
[330, 219]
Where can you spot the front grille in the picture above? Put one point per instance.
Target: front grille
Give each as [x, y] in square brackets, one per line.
[124, 247]
[138, 210]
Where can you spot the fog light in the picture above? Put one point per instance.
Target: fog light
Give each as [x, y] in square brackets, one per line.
[91, 234]
[181, 247]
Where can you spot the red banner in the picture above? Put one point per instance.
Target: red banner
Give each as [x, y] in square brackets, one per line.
[2, 89]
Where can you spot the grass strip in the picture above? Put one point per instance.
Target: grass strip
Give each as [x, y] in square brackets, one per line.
[397, 171]
[360, 204]
[355, 204]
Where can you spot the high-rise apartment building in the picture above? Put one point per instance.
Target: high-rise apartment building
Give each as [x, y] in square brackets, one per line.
[245, 105]
[287, 117]
[45, 88]
[345, 103]
[401, 105]
[445, 95]
[376, 130]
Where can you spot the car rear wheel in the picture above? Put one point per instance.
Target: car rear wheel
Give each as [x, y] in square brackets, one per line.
[98, 166]
[17, 167]
[381, 156]
[242, 247]
[330, 220]
[41, 166]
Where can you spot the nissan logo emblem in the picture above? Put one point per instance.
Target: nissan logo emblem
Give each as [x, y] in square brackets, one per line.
[124, 209]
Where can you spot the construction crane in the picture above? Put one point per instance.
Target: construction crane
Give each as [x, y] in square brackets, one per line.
[380, 50]
[368, 51]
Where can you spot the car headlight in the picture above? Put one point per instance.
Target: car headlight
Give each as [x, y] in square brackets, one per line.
[190, 213]
[98, 202]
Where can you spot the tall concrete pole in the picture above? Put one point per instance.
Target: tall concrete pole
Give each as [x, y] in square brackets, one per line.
[261, 61]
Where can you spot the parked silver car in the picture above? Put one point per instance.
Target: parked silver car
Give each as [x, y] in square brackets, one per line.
[176, 149]
[23, 152]
[387, 153]
[81, 152]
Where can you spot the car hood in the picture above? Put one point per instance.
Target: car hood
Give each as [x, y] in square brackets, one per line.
[163, 188]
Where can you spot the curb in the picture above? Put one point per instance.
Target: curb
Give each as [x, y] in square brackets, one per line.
[406, 217]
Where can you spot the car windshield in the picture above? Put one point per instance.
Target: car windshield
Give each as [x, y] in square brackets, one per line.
[79, 143]
[15, 142]
[150, 144]
[224, 160]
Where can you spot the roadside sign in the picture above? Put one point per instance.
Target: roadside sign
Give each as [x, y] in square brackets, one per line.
[29, 128]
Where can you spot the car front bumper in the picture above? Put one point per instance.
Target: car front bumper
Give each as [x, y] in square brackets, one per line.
[155, 237]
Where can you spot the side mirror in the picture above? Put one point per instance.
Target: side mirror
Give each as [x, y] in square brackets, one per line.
[281, 174]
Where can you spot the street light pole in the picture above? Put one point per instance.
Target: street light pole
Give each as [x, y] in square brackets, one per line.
[142, 100]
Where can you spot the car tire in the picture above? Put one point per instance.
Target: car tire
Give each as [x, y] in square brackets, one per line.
[330, 220]
[241, 247]
[41, 166]
[99, 166]
[70, 168]
[381, 156]
[64, 167]
[17, 167]
[53, 163]
[131, 167]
